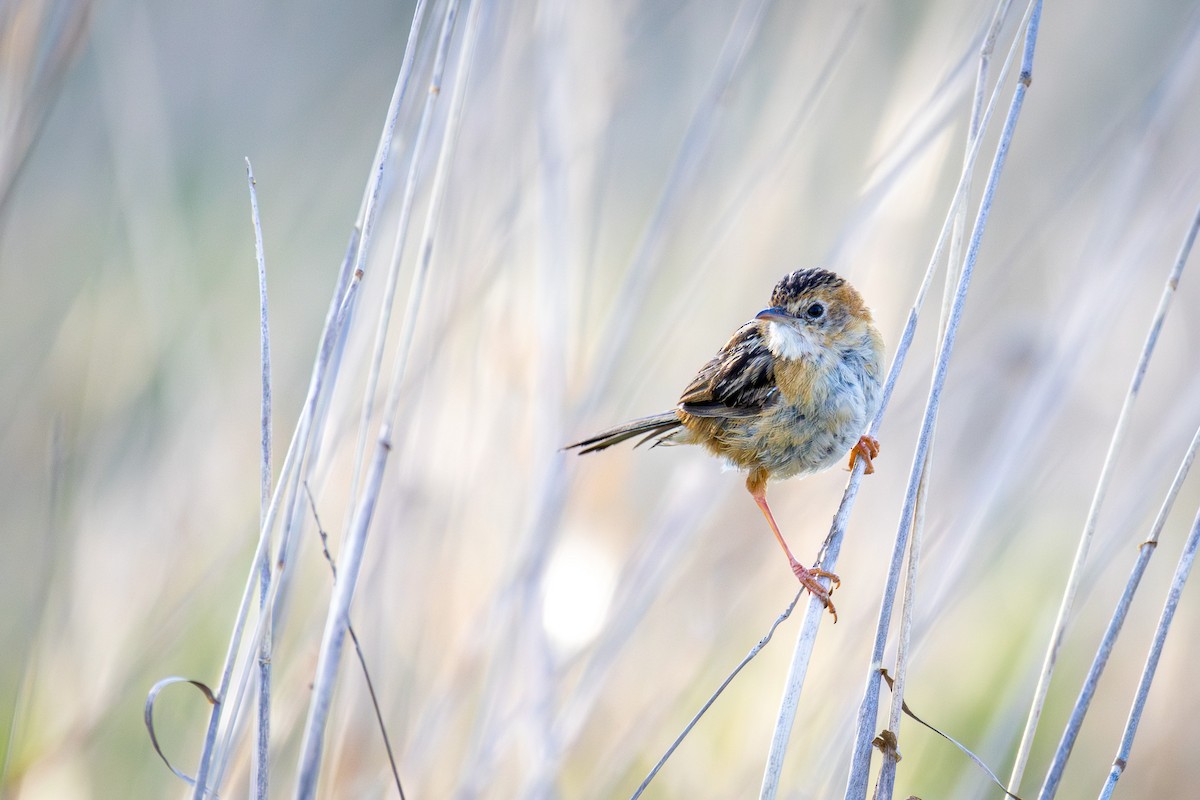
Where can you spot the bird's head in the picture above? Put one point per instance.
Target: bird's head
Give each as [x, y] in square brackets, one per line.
[812, 311]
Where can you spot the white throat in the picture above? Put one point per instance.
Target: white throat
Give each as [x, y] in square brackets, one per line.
[784, 341]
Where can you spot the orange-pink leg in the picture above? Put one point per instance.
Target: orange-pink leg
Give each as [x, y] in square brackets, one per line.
[866, 448]
[807, 577]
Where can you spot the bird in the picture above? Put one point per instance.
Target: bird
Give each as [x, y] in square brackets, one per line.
[791, 393]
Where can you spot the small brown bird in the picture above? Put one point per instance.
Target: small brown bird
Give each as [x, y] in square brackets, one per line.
[790, 394]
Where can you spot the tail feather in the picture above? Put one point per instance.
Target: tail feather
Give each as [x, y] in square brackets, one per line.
[659, 427]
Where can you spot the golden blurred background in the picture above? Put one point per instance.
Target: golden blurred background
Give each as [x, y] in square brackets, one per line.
[628, 182]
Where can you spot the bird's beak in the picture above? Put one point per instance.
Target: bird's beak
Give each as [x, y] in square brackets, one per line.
[774, 315]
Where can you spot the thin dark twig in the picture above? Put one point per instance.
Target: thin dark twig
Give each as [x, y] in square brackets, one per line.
[891, 740]
[787, 612]
[362, 660]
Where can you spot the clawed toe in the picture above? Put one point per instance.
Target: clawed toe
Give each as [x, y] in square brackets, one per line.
[866, 448]
[808, 579]
[820, 573]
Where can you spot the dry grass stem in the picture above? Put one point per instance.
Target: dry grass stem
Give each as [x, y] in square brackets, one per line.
[891, 755]
[861, 758]
[1075, 723]
[833, 542]
[1089, 527]
[1182, 570]
[261, 763]
[334, 634]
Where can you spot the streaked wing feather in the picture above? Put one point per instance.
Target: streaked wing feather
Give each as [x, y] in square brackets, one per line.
[738, 382]
[720, 411]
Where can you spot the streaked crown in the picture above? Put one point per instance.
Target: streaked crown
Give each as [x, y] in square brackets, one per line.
[802, 284]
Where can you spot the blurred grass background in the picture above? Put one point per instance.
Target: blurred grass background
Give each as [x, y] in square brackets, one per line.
[539, 625]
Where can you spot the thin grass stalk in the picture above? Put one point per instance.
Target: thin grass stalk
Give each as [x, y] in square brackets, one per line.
[985, 62]
[958, 236]
[261, 764]
[362, 659]
[227, 670]
[351, 560]
[289, 463]
[861, 758]
[368, 212]
[1182, 570]
[1089, 527]
[754, 651]
[383, 151]
[1145, 551]
[1087, 692]
[890, 748]
[891, 753]
[308, 433]
[324, 375]
[401, 237]
[420, 275]
[830, 550]
[1044, 395]
[314, 429]
[415, 150]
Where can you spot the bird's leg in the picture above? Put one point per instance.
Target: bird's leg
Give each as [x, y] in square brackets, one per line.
[807, 577]
[866, 448]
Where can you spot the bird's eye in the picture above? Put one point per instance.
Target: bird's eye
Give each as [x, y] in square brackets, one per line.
[814, 311]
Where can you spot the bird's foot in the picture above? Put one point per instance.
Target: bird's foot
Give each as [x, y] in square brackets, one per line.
[866, 448]
[808, 579]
